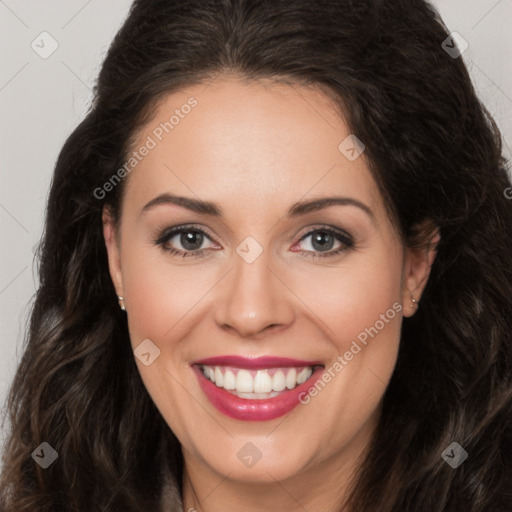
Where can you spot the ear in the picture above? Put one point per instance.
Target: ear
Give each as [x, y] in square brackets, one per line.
[112, 244]
[417, 264]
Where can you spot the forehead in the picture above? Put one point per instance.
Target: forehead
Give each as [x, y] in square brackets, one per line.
[247, 141]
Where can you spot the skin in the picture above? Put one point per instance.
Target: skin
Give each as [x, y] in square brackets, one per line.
[256, 148]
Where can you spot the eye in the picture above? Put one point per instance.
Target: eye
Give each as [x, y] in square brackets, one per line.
[322, 241]
[190, 238]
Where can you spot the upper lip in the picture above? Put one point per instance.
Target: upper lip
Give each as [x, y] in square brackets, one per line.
[256, 362]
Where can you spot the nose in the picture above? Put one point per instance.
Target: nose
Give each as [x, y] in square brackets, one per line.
[253, 299]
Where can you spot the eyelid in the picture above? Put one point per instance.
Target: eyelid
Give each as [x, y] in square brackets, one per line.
[330, 229]
[167, 233]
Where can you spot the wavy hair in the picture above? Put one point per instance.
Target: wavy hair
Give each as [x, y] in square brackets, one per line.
[436, 156]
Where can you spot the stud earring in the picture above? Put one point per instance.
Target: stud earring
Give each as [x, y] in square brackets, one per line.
[414, 302]
[121, 302]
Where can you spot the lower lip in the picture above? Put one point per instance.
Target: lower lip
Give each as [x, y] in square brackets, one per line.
[254, 410]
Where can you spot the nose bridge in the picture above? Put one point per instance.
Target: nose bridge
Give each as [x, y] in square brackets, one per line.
[253, 299]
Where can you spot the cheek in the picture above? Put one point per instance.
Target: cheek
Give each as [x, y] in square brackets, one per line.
[351, 297]
[160, 300]
[360, 310]
[159, 295]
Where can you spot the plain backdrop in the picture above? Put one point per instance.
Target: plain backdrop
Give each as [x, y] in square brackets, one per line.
[43, 99]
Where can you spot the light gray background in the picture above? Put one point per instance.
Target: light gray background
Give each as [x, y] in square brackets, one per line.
[42, 100]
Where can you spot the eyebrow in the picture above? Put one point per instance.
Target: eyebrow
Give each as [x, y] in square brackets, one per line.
[297, 209]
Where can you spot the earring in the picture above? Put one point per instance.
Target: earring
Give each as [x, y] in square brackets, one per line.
[414, 301]
[121, 302]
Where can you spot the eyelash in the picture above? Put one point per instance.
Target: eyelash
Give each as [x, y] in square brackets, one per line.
[346, 240]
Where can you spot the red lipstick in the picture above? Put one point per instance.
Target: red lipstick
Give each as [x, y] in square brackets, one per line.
[254, 409]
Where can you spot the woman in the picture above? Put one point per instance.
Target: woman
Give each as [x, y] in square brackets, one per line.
[275, 274]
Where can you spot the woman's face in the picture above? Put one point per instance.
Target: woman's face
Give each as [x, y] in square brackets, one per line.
[315, 291]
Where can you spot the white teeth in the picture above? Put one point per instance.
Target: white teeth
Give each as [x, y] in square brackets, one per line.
[219, 378]
[256, 396]
[229, 380]
[291, 378]
[257, 383]
[304, 375]
[244, 382]
[278, 381]
[262, 382]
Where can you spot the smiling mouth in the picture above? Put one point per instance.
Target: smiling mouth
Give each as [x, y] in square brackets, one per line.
[257, 384]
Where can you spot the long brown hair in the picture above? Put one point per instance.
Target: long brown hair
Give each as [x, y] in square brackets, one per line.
[436, 155]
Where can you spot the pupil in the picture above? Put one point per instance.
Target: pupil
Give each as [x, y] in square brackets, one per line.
[322, 240]
[190, 239]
